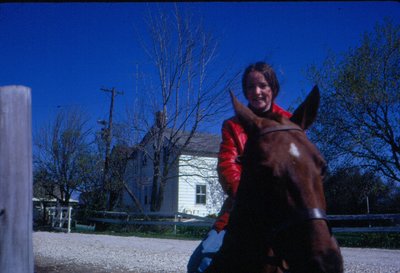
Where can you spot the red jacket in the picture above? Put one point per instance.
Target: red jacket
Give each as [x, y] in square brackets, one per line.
[229, 168]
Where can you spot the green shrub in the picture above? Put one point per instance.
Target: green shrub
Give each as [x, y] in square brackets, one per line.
[375, 240]
[161, 231]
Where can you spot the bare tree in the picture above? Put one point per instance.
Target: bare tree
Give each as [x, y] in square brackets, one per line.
[61, 159]
[188, 94]
[360, 112]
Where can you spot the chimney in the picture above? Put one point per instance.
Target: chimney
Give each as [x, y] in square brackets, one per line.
[161, 119]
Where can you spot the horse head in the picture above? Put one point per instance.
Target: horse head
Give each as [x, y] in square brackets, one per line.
[280, 204]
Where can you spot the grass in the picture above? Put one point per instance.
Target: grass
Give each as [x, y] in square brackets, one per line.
[162, 232]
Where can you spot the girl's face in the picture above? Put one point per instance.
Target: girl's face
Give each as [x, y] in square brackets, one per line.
[258, 91]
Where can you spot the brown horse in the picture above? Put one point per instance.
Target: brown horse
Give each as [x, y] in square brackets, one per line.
[278, 222]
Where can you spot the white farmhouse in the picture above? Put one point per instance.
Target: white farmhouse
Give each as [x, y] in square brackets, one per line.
[192, 186]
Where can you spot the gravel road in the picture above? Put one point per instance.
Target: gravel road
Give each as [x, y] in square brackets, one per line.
[85, 253]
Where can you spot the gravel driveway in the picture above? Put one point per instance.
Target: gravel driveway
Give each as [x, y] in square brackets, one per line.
[86, 253]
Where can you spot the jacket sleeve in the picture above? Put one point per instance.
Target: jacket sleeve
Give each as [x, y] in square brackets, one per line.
[229, 167]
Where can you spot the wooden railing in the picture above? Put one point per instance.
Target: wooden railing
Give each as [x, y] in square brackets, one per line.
[366, 223]
[175, 219]
[356, 223]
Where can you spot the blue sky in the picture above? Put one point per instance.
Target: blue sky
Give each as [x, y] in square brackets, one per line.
[66, 52]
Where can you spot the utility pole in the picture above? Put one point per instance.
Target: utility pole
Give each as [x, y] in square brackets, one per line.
[108, 137]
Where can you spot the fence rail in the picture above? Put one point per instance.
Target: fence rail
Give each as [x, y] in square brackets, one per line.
[160, 219]
[393, 216]
[366, 229]
[370, 222]
[360, 222]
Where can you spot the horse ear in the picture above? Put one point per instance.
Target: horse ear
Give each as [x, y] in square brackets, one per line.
[249, 119]
[306, 113]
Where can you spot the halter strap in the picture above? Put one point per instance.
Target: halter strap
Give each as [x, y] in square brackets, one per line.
[318, 214]
[279, 128]
[315, 214]
[306, 215]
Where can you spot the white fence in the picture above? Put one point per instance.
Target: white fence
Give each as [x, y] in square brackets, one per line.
[60, 218]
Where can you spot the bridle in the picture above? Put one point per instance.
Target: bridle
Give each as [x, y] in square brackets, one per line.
[279, 128]
[301, 216]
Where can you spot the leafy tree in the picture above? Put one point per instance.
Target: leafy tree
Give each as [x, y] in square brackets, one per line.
[348, 191]
[90, 188]
[359, 115]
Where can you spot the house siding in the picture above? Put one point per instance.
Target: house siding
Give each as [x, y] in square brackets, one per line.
[190, 170]
[194, 171]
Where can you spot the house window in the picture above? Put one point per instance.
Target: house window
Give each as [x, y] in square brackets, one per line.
[201, 194]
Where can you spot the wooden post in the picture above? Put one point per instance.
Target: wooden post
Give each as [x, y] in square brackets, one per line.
[16, 250]
[69, 213]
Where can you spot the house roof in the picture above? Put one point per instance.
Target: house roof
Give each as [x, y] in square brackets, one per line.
[204, 144]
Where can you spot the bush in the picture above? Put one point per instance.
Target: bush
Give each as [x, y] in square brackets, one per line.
[375, 240]
[161, 231]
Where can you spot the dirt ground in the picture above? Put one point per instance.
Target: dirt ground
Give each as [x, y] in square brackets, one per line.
[46, 266]
[64, 269]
